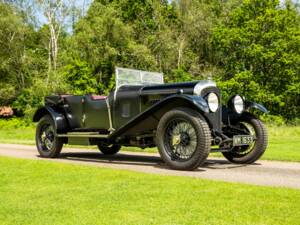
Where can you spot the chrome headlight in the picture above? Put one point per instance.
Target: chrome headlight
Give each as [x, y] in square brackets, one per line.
[213, 102]
[238, 104]
[201, 85]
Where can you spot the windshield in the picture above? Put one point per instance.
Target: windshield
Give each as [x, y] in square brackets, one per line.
[137, 77]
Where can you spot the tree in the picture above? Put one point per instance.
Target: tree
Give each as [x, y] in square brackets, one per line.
[104, 41]
[249, 46]
[56, 12]
[259, 49]
[25, 8]
[13, 55]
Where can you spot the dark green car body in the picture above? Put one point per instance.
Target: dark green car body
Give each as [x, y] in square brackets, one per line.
[130, 115]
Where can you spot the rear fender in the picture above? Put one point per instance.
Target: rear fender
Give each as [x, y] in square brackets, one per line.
[58, 118]
[148, 120]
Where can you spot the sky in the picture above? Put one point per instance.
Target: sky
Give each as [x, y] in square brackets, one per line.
[83, 5]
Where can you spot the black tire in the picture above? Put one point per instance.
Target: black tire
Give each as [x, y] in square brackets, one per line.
[109, 149]
[47, 143]
[200, 134]
[252, 153]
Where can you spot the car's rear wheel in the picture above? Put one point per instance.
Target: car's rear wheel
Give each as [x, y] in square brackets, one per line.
[249, 153]
[183, 139]
[108, 149]
[47, 143]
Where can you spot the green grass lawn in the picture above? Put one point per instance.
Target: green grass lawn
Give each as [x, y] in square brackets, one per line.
[40, 192]
[284, 144]
[284, 141]
[17, 135]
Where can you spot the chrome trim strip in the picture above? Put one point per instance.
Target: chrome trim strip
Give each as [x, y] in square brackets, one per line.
[110, 129]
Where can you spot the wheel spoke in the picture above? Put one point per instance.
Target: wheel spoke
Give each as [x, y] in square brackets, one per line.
[181, 139]
[46, 137]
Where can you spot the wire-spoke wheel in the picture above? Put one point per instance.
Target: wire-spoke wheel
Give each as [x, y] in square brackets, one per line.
[48, 145]
[249, 153]
[183, 139]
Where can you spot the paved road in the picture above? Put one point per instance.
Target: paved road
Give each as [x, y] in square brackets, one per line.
[267, 173]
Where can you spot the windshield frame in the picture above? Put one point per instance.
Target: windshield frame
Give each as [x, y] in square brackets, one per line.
[141, 75]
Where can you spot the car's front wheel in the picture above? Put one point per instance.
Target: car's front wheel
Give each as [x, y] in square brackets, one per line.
[47, 143]
[249, 153]
[107, 149]
[183, 139]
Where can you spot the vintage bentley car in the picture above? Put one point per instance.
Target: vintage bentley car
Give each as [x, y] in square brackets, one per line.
[185, 121]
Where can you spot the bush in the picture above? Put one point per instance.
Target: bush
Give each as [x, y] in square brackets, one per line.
[259, 49]
[80, 78]
[15, 123]
[179, 75]
[31, 98]
[273, 120]
[7, 93]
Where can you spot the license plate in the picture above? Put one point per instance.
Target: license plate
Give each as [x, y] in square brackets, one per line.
[240, 140]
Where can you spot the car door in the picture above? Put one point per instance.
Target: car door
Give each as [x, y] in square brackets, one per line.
[126, 104]
[95, 112]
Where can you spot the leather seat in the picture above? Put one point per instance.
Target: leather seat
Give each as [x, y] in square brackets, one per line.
[98, 97]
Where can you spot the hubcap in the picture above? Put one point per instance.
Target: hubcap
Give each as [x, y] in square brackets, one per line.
[180, 139]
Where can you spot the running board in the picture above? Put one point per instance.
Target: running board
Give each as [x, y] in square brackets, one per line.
[83, 134]
[219, 150]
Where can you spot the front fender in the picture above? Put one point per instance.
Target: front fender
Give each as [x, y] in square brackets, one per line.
[250, 104]
[58, 118]
[197, 101]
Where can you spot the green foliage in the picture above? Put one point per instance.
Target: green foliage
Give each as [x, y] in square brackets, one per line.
[259, 49]
[273, 120]
[32, 97]
[29, 100]
[250, 47]
[179, 75]
[7, 93]
[23, 62]
[80, 80]
[104, 41]
[14, 122]
[13, 33]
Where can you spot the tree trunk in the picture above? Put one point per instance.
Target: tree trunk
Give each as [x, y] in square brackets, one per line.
[180, 50]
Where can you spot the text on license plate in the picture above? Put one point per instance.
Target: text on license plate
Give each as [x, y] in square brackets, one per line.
[239, 140]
